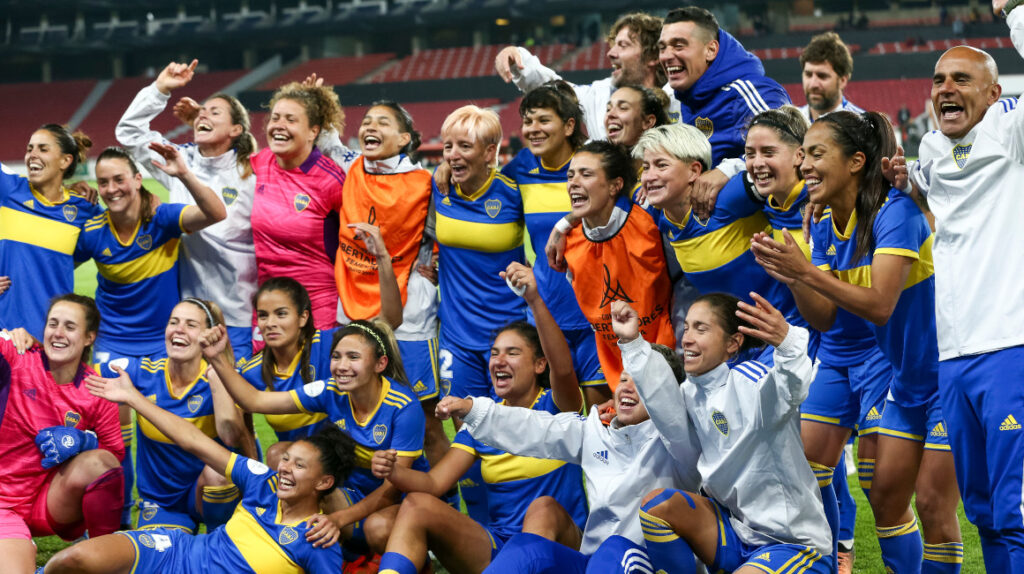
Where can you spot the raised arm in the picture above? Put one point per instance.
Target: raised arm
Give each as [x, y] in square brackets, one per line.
[390, 294]
[526, 432]
[209, 208]
[214, 341]
[229, 420]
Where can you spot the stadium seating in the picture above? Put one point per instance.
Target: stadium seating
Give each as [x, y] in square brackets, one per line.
[334, 71]
[593, 57]
[465, 62]
[33, 105]
[879, 95]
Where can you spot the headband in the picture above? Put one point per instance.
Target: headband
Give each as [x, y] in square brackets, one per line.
[372, 334]
[206, 309]
[772, 123]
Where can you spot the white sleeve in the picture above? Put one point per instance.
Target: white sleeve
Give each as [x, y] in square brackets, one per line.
[663, 398]
[134, 134]
[330, 144]
[787, 383]
[526, 432]
[1016, 23]
[731, 166]
[533, 74]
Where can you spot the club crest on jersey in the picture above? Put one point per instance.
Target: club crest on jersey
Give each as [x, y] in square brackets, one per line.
[194, 402]
[721, 423]
[300, 202]
[71, 419]
[612, 293]
[229, 194]
[493, 207]
[149, 511]
[960, 154]
[145, 242]
[705, 125]
[147, 540]
[70, 212]
[287, 536]
[379, 432]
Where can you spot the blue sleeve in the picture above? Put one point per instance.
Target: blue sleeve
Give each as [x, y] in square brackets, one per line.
[407, 429]
[465, 441]
[897, 228]
[322, 560]
[819, 242]
[734, 201]
[247, 474]
[168, 219]
[8, 181]
[254, 375]
[312, 397]
[84, 247]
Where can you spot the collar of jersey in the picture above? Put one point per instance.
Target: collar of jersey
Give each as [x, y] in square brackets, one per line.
[291, 366]
[280, 513]
[714, 378]
[113, 230]
[790, 199]
[64, 196]
[483, 188]
[186, 390]
[559, 168]
[536, 399]
[385, 388]
[620, 213]
[850, 227]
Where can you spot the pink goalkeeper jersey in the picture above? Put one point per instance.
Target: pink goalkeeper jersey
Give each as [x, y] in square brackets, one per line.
[295, 226]
[30, 400]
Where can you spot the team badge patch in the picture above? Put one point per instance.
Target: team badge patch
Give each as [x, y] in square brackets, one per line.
[194, 402]
[300, 202]
[720, 422]
[145, 242]
[149, 512]
[287, 536]
[71, 419]
[256, 467]
[70, 212]
[493, 207]
[379, 432]
[147, 541]
[705, 125]
[960, 154]
[314, 389]
[229, 194]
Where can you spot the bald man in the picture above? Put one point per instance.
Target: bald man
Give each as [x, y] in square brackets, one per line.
[971, 172]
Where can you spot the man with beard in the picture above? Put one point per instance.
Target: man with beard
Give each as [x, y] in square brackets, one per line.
[827, 67]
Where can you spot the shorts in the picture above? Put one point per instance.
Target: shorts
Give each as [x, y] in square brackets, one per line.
[181, 515]
[583, 348]
[732, 553]
[33, 518]
[241, 341]
[464, 372]
[851, 397]
[166, 550]
[420, 359]
[920, 424]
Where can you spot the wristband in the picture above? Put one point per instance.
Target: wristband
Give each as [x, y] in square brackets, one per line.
[564, 225]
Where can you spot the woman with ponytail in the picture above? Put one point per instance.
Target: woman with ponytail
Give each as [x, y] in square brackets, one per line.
[872, 256]
[219, 262]
[40, 221]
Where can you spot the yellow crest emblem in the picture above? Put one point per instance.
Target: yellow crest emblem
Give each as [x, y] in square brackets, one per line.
[705, 125]
[229, 194]
[194, 402]
[145, 242]
[301, 201]
[493, 207]
[70, 212]
[379, 432]
[287, 536]
[721, 423]
[71, 419]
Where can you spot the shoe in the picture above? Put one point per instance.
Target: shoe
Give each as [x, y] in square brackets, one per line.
[845, 560]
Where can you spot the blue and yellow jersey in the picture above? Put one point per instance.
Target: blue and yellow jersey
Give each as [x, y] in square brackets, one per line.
[513, 482]
[715, 254]
[294, 426]
[256, 539]
[137, 280]
[908, 338]
[166, 472]
[396, 423]
[545, 201]
[37, 245]
[850, 341]
[478, 236]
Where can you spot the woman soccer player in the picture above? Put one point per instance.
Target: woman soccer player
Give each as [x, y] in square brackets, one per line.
[872, 257]
[632, 110]
[40, 221]
[522, 357]
[219, 262]
[177, 491]
[298, 195]
[761, 511]
[367, 396]
[61, 446]
[268, 532]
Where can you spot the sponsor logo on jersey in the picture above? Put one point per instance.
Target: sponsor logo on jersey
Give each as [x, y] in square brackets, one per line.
[610, 293]
[446, 201]
[287, 536]
[939, 430]
[300, 201]
[721, 423]
[107, 252]
[259, 188]
[493, 207]
[601, 455]
[960, 154]
[534, 171]
[419, 387]
[260, 510]
[71, 419]
[705, 125]
[766, 556]
[144, 241]
[194, 402]
[30, 393]
[1009, 423]
[831, 250]
[29, 204]
[70, 212]
[229, 194]
[379, 432]
[340, 423]
[873, 414]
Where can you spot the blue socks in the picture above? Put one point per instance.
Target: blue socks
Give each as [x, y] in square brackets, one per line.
[901, 547]
[219, 504]
[943, 558]
[823, 474]
[395, 563]
[668, 552]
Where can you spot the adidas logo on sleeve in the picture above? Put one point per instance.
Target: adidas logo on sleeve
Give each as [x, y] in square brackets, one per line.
[1009, 423]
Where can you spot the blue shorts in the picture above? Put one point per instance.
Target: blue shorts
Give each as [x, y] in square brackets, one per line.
[464, 372]
[241, 341]
[851, 397]
[921, 424]
[527, 553]
[167, 550]
[583, 347]
[420, 359]
[181, 515]
[732, 553]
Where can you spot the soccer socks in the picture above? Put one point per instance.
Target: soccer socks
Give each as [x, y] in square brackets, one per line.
[901, 547]
[395, 563]
[219, 504]
[128, 464]
[866, 474]
[823, 474]
[847, 506]
[101, 503]
[943, 558]
[668, 552]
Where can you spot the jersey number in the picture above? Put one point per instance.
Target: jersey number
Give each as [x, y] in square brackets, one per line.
[445, 371]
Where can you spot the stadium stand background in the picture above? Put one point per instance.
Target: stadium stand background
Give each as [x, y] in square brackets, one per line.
[82, 62]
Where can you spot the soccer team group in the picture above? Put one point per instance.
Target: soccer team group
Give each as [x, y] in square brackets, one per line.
[822, 288]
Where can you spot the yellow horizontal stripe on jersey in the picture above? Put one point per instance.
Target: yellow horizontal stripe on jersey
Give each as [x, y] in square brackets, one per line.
[363, 456]
[479, 235]
[857, 276]
[258, 548]
[151, 264]
[798, 236]
[39, 231]
[464, 448]
[506, 467]
[720, 246]
[207, 424]
[552, 197]
[283, 423]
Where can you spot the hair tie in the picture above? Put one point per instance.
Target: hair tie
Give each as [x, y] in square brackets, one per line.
[206, 309]
[373, 334]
